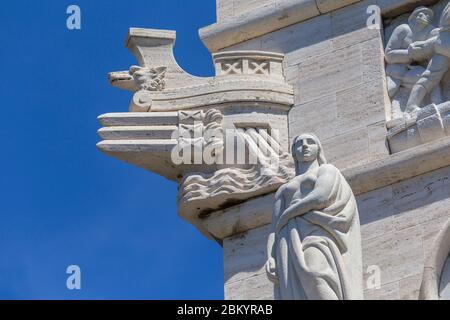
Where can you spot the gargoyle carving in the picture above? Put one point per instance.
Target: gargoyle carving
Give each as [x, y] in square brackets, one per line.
[142, 81]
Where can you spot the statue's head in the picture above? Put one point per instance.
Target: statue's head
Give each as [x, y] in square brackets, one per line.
[421, 16]
[307, 148]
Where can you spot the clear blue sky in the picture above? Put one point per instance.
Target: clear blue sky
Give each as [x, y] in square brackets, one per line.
[62, 202]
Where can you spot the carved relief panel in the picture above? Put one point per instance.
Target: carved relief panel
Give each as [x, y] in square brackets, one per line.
[417, 56]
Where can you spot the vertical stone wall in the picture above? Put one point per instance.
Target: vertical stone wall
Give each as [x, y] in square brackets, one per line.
[400, 223]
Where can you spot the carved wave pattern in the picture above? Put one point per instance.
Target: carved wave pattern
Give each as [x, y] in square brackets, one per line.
[232, 185]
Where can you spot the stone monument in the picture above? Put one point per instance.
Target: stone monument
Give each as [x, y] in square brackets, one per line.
[366, 83]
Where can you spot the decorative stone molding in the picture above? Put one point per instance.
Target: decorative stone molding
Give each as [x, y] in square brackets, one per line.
[249, 62]
[434, 264]
[173, 111]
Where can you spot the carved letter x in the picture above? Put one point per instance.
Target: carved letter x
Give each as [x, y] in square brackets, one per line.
[259, 68]
[232, 67]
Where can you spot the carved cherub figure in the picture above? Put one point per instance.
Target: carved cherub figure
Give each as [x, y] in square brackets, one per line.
[403, 66]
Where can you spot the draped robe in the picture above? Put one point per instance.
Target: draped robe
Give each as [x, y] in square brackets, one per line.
[318, 253]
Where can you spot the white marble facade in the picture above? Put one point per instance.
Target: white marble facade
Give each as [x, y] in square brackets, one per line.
[306, 66]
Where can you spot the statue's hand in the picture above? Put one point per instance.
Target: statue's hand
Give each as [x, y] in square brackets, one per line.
[419, 50]
[287, 214]
[291, 208]
[414, 51]
[271, 270]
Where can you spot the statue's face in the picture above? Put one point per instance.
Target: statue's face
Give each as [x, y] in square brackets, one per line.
[423, 18]
[306, 149]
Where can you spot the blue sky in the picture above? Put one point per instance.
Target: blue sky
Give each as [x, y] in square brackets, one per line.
[62, 202]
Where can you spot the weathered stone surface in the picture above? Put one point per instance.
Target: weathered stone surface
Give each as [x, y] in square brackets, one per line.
[359, 107]
[317, 116]
[378, 146]
[376, 222]
[247, 249]
[323, 74]
[389, 291]
[355, 152]
[409, 288]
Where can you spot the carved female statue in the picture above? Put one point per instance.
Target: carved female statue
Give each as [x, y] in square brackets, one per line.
[314, 247]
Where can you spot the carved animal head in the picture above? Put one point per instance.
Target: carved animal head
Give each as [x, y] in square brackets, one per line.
[149, 79]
